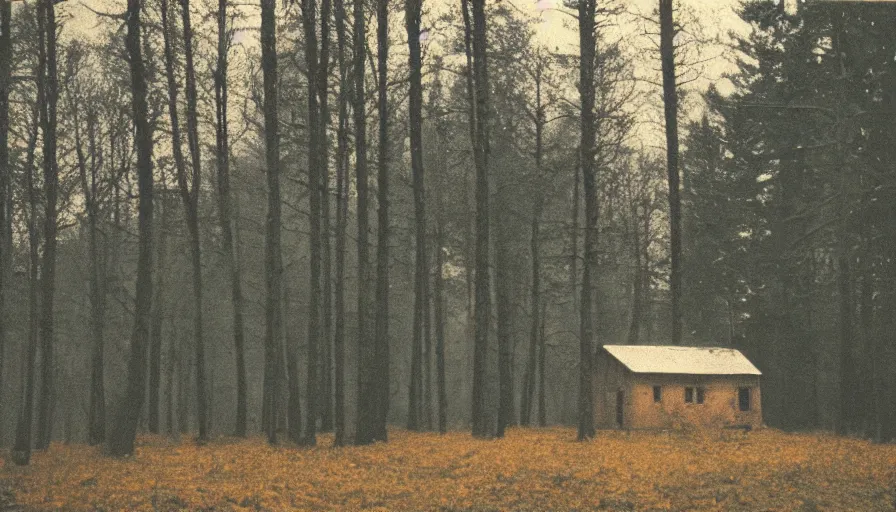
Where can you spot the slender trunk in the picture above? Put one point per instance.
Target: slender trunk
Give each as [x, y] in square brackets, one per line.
[183, 398]
[637, 279]
[317, 159]
[645, 275]
[226, 215]
[96, 420]
[381, 325]
[670, 108]
[528, 395]
[5, 170]
[587, 44]
[288, 352]
[158, 312]
[190, 195]
[121, 439]
[273, 257]
[438, 291]
[48, 263]
[325, 408]
[846, 423]
[367, 384]
[413, 10]
[171, 383]
[426, 408]
[483, 420]
[542, 357]
[180, 166]
[866, 330]
[97, 259]
[574, 235]
[504, 309]
[342, 181]
[288, 374]
[21, 453]
[469, 198]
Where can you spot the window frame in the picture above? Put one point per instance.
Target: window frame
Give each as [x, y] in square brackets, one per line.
[700, 396]
[657, 394]
[689, 394]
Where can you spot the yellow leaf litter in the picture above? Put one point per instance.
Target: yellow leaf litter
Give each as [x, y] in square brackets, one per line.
[530, 469]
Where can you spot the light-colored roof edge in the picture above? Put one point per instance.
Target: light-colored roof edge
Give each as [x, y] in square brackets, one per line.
[757, 372]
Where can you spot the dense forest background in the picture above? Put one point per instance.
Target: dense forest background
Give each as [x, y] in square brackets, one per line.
[312, 276]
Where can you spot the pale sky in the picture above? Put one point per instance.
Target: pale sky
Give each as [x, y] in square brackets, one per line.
[557, 30]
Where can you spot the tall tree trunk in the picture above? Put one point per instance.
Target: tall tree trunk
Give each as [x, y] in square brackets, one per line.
[587, 45]
[226, 214]
[670, 109]
[121, 439]
[342, 181]
[483, 422]
[440, 313]
[289, 353]
[866, 332]
[413, 10]
[317, 85]
[309, 14]
[190, 194]
[528, 395]
[273, 257]
[171, 385]
[367, 352]
[5, 171]
[180, 169]
[381, 325]
[158, 310]
[89, 180]
[470, 199]
[634, 328]
[325, 393]
[849, 381]
[426, 408]
[504, 307]
[542, 357]
[574, 235]
[48, 263]
[21, 453]
[325, 407]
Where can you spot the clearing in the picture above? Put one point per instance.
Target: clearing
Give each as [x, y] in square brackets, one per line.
[528, 470]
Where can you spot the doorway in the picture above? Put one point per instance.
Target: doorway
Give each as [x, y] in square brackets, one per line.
[620, 403]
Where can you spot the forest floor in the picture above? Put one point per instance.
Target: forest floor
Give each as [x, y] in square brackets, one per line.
[530, 469]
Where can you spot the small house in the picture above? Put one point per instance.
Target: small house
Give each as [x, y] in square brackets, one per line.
[658, 387]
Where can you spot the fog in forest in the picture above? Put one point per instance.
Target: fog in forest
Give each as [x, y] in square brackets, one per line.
[325, 216]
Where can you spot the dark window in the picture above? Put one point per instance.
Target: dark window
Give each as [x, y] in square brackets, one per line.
[657, 393]
[743, 399]
[689, 395]
[701, 395]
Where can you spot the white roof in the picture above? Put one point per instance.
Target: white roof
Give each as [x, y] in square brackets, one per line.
[682, 360]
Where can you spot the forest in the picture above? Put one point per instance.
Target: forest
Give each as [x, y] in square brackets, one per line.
[343, 223]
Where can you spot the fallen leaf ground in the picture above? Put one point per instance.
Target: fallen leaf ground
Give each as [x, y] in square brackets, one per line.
[528, 470]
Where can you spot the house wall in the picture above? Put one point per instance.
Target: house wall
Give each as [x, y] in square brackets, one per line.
[720, 407]
[609, 377]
